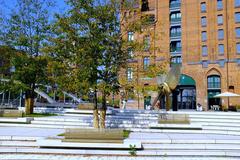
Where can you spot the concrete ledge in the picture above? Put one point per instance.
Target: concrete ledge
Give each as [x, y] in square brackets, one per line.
[55, 143]
[76, 111]
[19, 138]
[167, 154]
[16, 120]
[176, 126]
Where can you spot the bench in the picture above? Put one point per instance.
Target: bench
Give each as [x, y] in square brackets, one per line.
[11, 113]
[86, 106]
[94, 135]
[91, 139]
[173, 119]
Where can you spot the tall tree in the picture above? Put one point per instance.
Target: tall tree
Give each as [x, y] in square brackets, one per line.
[89, 44]
[26, 30]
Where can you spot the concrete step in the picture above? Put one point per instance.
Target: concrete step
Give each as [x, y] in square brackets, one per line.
[217, 124]
[57, 143]
[176, 126]
[214, 117]
[215, 120]
[225, 154]
[221, 128]
[189, 141]
[15, 120]
[18, 144]
[89, 122]
[183, 146]
[115, 116]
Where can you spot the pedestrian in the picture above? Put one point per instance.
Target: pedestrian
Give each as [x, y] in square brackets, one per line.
[124, 102]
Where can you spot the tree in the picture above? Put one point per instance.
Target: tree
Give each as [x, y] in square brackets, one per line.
[26, 30]
[89, 44]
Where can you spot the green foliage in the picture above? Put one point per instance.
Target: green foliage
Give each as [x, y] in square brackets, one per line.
[238, 107]
[26, 31]
[88, 48]
[133, 150]
[126, 133]
[40, 115]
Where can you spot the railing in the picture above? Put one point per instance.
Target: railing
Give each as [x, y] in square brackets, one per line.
[9, 103]
[175, 20]
[177, 49]
[175, 5]
[175, 35]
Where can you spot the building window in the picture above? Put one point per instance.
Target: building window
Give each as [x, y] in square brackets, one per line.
[204, 51]
[238, 48]
[175, 31]
[176, 60]
[129, 74]
[203, 7]
[237, 30]
[175, 3]
[130, 53]
[146, 42]
[205, 64]
[176, 46]
[219, 5]
[220, 34]
[237, 3]
[130, 36]
[145, 6]
[175, 17]
[204, 36]
[237, 17]
[204, 21]
[220, 19]
[221, 49]
[214, 82]
[146, 62]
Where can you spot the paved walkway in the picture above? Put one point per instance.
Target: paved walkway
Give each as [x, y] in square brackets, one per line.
[29, 132]
[58, 157]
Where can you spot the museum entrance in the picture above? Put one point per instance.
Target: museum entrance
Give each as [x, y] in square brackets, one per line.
[184, 96]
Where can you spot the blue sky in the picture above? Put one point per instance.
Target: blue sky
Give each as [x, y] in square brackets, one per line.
[7, 5]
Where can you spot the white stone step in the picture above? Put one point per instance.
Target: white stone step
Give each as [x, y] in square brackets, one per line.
[74, 111]
[115, 116]
[215, 120]
[176, 126]
[184, 131]
[61, 123]
[189, 141]
[15, 120]
[191, 147]
[221, 128]
[198, 154]
[217, 124]
[214, 117]
[55, 143]
[18, 144]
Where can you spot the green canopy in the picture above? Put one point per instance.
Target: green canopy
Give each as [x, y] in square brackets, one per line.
[186, 80]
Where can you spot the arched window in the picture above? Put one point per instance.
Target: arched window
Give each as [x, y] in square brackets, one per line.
[214, 82]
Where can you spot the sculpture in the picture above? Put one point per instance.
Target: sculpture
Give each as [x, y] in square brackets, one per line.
[166, 84]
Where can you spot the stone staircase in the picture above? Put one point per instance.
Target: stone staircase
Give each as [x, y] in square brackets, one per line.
[217, 135]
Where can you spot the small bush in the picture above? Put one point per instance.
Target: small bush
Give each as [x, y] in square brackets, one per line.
[133, 150]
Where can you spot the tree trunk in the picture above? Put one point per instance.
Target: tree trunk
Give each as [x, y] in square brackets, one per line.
[29, 102]
[95, 111]
[102, 119]
[168, 103]
[103, 111]
[95, 118]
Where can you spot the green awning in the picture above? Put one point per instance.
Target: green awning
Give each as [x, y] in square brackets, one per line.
[186, 80]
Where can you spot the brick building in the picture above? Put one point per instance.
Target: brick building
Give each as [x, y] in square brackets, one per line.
[203, 36]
